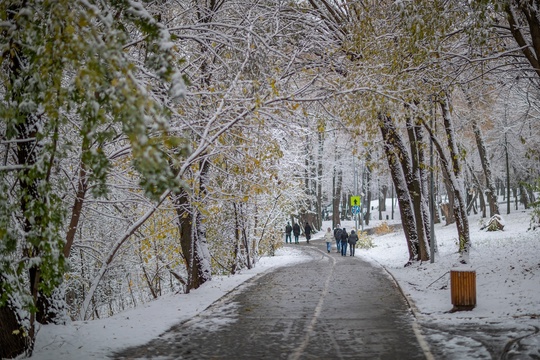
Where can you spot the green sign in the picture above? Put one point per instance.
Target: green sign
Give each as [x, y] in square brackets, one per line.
[355, 201]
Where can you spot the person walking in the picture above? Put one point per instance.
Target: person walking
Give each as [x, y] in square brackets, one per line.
[296, 232]
[353, 238]
[307, 230]
[329, 237]
[337, 236]
[344, 239]
[288, 230]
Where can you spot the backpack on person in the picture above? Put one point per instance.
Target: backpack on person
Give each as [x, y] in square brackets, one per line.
[337, 234]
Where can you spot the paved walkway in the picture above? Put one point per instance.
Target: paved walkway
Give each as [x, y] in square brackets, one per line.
[331, 307]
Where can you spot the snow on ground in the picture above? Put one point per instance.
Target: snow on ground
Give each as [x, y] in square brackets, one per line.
[507, 265]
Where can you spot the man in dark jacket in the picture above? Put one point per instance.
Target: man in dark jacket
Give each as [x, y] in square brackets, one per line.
[288, 230]
[337, 236]
[296, 232]
[344, 240]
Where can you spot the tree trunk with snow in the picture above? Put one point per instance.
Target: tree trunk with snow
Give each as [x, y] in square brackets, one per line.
[486, 167]
[480, 192]
[201, 253]
[452, 169]
[383, 195]
[448, 208]
[406, 209]
[337, 181]
[411, 168]
[319, 179]
[368, 189]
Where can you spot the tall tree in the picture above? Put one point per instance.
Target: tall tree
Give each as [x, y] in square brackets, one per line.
[394, 150]
[65, 59]
[452, 167]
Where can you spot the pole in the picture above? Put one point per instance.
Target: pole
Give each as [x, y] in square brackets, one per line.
[355, 193]
[362, 201]
[507, 174]
[392, 183]
[432, 192]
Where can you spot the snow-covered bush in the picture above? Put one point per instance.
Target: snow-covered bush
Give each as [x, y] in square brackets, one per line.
[364, 241]
[495, 223]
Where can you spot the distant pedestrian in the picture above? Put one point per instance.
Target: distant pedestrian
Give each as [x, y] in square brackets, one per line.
[337, 236]
[353, 238]
[288, 230]
[307, 231]
[296, 232]
[344, 240]
[329, 238]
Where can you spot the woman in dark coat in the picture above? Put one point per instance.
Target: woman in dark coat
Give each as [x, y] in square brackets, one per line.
[353, 238]
[307, 230]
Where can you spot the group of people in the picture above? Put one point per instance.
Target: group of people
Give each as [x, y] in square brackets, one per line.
[342, 239]
[340, 236]
[295, 230]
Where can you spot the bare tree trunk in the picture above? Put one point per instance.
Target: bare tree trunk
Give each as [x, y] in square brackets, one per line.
[191, 237]
[368, 188]
[247, 247]
[449, 212]
[201, 255]
[319, 180]
[486, 166]
[452, 169]
[236, 239]
[344, 206]
[82, 187]
[526, 18]
[147, 278]
[507, 161]
[337, 182]
[185, 219]
[393, 156]
[523, 196]
[411, 169]
[480, 192]
[384, 194]
[315, 204]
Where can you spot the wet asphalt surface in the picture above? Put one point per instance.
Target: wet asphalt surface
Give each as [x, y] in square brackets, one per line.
[331, 307]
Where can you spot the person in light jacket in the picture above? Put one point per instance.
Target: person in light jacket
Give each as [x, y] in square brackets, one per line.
[329, 238]
[353, 238]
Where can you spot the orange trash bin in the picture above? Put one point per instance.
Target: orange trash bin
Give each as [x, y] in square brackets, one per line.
[463, 289]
